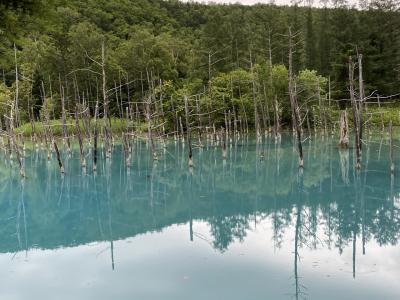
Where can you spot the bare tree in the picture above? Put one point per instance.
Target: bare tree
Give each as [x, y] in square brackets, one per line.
[355, 113]
[293, 101]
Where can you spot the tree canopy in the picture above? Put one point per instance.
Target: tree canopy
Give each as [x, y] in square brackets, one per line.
[194, 46]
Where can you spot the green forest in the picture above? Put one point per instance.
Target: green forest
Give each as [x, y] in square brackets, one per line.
[228, 59]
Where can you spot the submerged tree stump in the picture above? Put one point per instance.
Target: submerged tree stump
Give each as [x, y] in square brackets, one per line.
[60, 164]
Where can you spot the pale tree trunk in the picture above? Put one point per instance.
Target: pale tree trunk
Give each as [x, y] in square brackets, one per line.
[107, 129]
[344, 130]
[16, 112]
[277, 119]
[256, 124]
[362, 97]
[79, 135]
[381, 113]
[96, 112]
[64, 118]
[355, 114]
[293, 102]
[188, 133]
[149, 128]
[391, 147]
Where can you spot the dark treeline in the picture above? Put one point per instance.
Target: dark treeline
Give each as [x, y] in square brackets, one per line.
[234, 58]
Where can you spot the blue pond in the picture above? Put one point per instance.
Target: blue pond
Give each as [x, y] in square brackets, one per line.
[240, 228]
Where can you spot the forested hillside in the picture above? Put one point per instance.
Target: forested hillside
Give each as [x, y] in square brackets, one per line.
[226, 53]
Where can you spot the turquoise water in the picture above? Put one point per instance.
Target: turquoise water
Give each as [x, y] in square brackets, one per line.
[244, 228]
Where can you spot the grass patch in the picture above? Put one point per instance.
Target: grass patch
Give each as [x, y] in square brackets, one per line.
[117, 127]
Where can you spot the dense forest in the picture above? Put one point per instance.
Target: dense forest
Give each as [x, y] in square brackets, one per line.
[232, 57]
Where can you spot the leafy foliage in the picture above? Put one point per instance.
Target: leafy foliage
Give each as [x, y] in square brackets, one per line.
[196, 48]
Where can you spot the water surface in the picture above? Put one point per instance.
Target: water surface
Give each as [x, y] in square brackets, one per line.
[244, 228]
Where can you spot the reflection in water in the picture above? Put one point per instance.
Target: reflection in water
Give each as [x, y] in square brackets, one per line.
[297, 236]
[327, 206]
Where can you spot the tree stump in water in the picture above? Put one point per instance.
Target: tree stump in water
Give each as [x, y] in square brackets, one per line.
[344, 130]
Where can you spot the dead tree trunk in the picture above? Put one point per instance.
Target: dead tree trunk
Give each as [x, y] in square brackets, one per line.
[60, 164]
[79, 135]
[322, 109]
[329, 104]
[256, 123]
[362, 97]
[107, 129]
[86, 118]
[64, 118]
[293, 101]
[224, 137]
[308, 123]
[344, 130]
[224, 144]
[162, 109]
[175, 118]
[188, 133]
[181, 129]
[149, 128]
[13, 144]
[381, 113]
[277, 119]
[235, 130]
[200, 124]
[391, 148]
[95, 149]
[355, 114]
[271, 82]
[126, 150]
[16, 111]
[229, 125]
[266, 112]
[46, 124]
[96, 112]
[14, 117]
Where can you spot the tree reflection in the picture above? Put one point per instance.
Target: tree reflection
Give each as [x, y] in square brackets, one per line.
[332, 207]
[227, 229]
